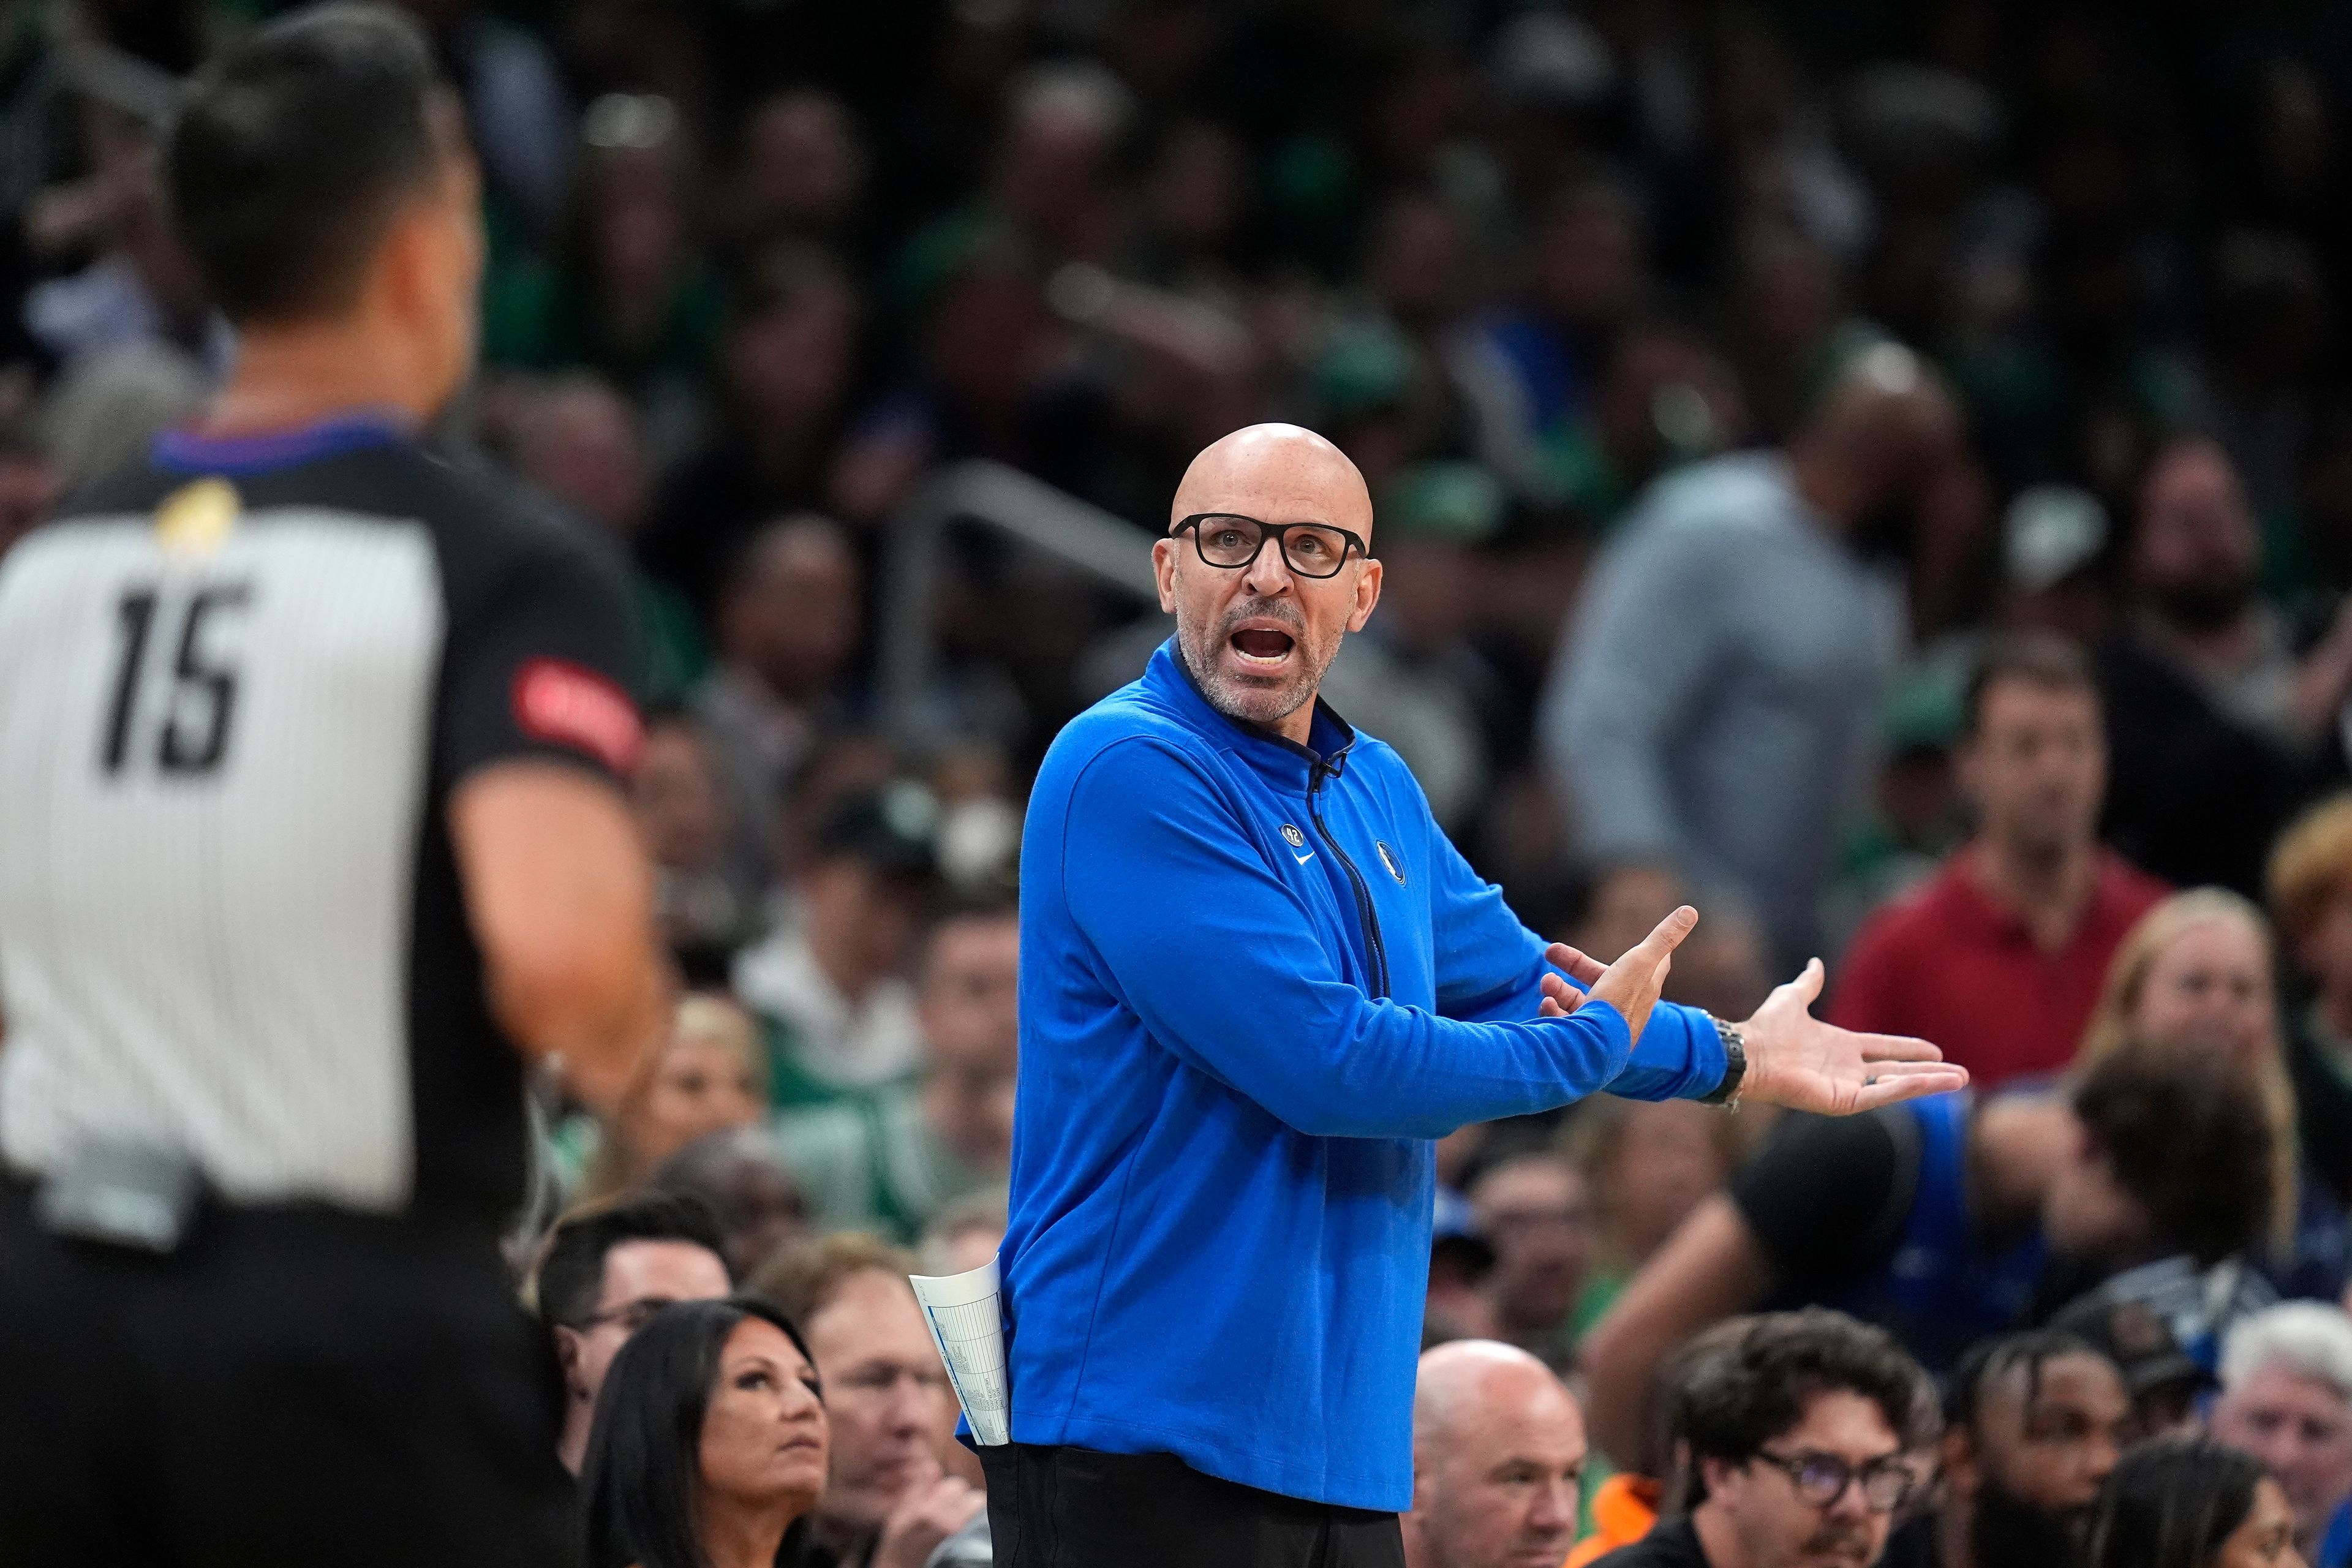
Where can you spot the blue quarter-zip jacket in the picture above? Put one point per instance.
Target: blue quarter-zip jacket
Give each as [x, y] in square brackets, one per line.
[1256, 980]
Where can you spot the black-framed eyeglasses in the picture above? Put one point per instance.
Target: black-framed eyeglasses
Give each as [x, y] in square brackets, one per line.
[630, 1315]
[1821, 1478]
[1231, 540]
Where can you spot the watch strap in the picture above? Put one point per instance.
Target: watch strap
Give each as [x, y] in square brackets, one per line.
[1734, 1065]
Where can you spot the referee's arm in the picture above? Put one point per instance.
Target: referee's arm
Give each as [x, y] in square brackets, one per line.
[560, 898]
[537, 728]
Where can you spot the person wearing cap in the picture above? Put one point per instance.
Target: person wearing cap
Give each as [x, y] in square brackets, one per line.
[1257, 983]
[2286, 1398]
[2054, 538]
[1999, 957]
[1441, 700]
[787, 616]
[2164, 1380]
[830, 986]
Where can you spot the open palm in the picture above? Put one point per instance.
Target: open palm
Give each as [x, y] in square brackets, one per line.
[1810, 1064]
[1793, 1059]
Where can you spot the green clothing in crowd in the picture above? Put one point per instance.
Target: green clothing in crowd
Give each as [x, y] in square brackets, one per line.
[870, 1162]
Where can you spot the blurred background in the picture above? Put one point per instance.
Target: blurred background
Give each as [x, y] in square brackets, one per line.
[876, 336]
[760, 262]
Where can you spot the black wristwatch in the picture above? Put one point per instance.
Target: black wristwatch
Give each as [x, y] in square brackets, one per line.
[1735, 1066]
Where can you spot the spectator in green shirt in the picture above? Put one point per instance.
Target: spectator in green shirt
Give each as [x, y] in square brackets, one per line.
[890, 1161]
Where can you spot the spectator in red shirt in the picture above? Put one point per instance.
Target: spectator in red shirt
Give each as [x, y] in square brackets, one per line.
[1999, 957]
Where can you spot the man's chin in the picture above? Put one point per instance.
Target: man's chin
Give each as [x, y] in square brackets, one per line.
[1263, 700]
[1848, 1551]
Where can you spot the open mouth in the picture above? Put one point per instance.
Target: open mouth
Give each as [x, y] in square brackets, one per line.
[1261, 645]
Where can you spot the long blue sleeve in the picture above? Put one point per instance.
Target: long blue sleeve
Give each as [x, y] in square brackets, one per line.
[1256, 984]
[1489, 969]
[1223, 965]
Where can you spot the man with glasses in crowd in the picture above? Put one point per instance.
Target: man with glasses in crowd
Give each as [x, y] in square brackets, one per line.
[1806, 1432]
[604, 1275]
[1256, 984]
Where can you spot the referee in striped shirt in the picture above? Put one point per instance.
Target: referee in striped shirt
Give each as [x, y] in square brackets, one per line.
[310, 843]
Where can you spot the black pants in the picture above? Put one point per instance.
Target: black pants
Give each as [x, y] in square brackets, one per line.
[1074, 1508]
[292, 1386]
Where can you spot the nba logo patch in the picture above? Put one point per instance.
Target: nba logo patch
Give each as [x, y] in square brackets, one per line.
[1389, 858]
[1292, 836]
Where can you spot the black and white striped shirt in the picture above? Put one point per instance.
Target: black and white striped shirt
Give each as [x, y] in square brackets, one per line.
[237, 689]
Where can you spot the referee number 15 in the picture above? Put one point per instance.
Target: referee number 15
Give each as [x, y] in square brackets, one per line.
[191, 732]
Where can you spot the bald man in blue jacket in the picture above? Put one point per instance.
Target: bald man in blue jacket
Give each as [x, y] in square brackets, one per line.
[1256, 984]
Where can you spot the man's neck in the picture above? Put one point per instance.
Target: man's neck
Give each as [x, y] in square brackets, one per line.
[2048, 889]
[579, 1415]
[2216, 651]
[291, 376]
[1955, 1542]
[1825, 486]
[1718, 1542]
[1297, 726]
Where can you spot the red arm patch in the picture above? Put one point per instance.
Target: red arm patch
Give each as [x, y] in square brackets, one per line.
[570, 705]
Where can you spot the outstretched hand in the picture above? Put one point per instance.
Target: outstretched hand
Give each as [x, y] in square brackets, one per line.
[1793, 1059]
[1810, 1064]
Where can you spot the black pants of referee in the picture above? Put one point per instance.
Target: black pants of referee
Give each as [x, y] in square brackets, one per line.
[1060, 1506]
[292, 1386]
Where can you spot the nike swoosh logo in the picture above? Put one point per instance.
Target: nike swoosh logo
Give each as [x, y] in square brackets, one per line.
[1302, 860]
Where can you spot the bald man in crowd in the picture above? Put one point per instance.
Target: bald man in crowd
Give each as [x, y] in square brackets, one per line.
[1256, 984]
[1497, 1460]
[1714, 710]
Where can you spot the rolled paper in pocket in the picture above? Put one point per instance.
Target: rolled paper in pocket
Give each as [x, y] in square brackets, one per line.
[965, 1314]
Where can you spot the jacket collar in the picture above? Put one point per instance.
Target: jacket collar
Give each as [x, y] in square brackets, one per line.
[1284, 761]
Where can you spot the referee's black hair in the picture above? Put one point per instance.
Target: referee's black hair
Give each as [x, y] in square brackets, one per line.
[643, 1471]
[292, 152]
[572, 1270]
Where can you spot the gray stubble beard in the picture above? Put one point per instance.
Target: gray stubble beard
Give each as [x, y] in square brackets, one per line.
[1198, 646]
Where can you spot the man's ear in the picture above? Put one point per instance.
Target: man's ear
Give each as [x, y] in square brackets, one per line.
[1421, 1486]
[403, 273]
[1368, 594]
[567, 1356]
[1163, 569]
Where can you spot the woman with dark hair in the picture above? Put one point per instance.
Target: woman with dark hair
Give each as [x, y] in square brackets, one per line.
[2189, 1503]
[709, 1446]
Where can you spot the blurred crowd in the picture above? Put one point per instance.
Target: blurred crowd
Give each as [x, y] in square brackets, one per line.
[1882, 473]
